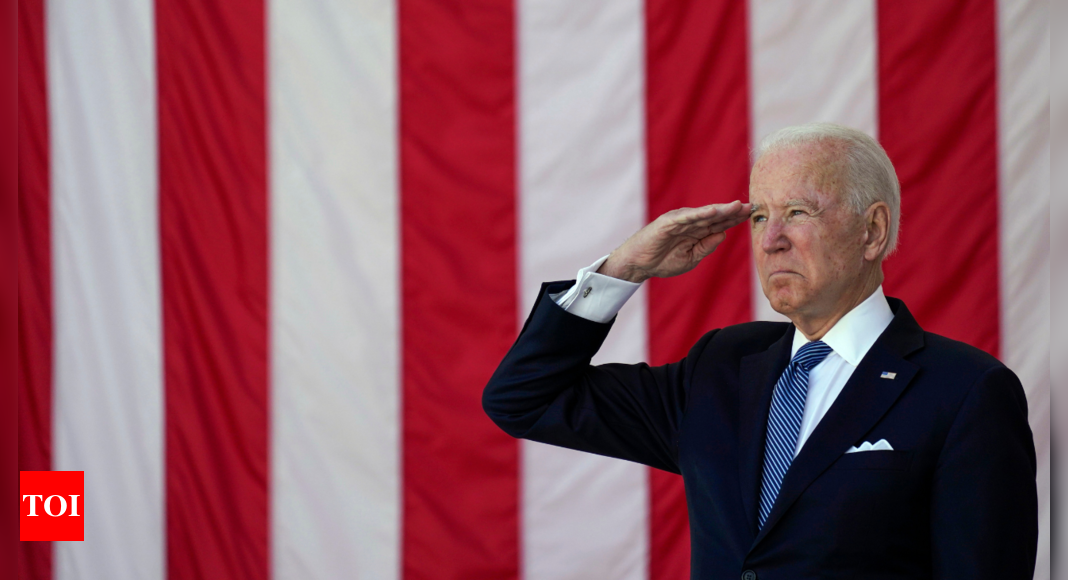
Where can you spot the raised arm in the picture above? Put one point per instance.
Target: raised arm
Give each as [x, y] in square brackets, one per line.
[675, 242]
[545, 388]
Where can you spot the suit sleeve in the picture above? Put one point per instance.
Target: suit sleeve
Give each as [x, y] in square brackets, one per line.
[546, 390]
[984, 505]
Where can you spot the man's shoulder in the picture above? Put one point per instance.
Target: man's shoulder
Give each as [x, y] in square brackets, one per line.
[932, 351]
[955, 351]
[740, 340]
[758, 331]
[954, 361]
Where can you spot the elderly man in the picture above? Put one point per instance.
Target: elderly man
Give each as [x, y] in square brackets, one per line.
[849, 443]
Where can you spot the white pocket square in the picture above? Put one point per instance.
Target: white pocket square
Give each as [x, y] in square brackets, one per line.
[881, 445]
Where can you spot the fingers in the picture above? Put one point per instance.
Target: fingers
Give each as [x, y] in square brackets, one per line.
[727, 224]
[719, 218]
[717, 232]
[707, 244]
[709, 213]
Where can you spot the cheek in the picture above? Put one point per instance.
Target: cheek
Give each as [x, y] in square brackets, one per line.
[755, 230]
[820, 255]
[841, 254]
[755, 234]
[805, 242]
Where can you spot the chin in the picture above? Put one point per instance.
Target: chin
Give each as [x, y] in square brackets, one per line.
[783, 299]
[784, 308]
[780, 304]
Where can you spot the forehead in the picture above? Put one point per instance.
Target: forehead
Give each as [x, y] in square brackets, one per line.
[811, 171]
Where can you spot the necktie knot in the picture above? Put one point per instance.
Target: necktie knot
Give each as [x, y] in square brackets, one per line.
[811, 354]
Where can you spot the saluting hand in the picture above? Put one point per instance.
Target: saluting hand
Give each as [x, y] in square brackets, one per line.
[675, 242]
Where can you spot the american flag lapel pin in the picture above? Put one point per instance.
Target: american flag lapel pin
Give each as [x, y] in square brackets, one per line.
[888, 375]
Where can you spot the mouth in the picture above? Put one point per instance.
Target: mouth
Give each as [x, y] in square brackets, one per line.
[777, 272]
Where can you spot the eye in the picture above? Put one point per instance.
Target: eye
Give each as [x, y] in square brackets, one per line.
[759, 218]
[797, 212]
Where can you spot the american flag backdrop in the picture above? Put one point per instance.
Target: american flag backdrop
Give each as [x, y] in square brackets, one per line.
[271, 250]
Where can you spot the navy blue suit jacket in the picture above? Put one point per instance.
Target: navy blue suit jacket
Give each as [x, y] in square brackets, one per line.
[956, 498]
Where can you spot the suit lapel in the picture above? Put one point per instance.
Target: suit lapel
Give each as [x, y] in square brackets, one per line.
[758, 375]
[863, 401]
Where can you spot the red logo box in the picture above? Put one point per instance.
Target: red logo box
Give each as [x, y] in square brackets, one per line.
[52, 505]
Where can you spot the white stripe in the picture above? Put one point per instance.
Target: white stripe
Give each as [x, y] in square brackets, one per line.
[108, 339]
[810, 61]
[1024, 224]
[582, 176]
[335, 488]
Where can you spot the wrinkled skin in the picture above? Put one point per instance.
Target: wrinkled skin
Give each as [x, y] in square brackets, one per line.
[815, 257]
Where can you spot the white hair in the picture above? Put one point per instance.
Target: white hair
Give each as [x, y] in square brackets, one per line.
[869, 175]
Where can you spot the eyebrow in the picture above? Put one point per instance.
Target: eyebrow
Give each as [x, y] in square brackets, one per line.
[800, 203]
[796, 202]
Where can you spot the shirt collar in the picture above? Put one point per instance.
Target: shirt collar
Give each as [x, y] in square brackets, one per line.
[853, 335]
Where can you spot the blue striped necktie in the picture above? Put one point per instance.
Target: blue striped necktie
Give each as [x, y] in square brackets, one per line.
[784, 421]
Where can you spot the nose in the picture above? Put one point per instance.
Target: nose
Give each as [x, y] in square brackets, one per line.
[773, 238]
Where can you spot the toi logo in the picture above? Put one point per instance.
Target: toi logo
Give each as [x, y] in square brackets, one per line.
[52, 505]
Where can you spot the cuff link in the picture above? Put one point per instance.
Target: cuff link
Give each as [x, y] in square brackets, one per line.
[587, 291]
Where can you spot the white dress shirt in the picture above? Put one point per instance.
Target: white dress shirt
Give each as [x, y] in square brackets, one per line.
[598, 298]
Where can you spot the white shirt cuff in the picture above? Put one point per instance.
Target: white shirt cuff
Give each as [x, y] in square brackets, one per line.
[595, 296]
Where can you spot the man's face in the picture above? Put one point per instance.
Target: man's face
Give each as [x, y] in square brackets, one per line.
[807, 241]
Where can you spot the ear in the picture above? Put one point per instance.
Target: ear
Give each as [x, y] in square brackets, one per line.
[876, 230]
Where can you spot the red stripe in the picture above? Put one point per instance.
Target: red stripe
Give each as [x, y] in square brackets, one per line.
[34, 269]
[458, 229]
[697, 110]
[214, 243]
[938, 123]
